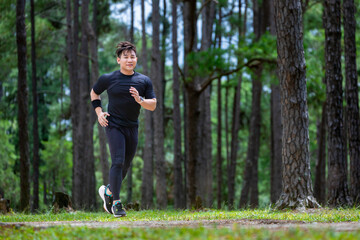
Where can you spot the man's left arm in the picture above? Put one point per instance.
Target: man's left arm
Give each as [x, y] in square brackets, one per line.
[148, 104]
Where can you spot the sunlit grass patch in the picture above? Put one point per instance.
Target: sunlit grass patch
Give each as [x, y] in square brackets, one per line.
[319, 215]
[64, 232]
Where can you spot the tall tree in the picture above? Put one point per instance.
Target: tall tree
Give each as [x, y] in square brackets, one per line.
[179, 201]
[337, 177]
[93, 33]
[161, 195]
[352, 98]
[197, 106]
[235, 125]
[251, 168]
[22, 94]
[72, 41]
[219, 160]
[250, 171]
[276, 124]
[129, 174]
[147, 187]
[296, 181]
[35, 200]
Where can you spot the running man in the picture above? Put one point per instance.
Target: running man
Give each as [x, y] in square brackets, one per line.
[128, 91]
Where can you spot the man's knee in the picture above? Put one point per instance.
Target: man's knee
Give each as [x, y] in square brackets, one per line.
[118, 162]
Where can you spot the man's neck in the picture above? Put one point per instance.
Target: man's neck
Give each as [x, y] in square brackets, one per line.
[127, 72]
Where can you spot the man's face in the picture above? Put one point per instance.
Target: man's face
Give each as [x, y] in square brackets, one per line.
[127, 61]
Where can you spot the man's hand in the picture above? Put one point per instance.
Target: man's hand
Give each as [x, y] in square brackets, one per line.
[102, 118]
[135, 94]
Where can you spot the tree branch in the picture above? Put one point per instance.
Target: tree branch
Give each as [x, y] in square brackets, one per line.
[251, 63]
[202, 6]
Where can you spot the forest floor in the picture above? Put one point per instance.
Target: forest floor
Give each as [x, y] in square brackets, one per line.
[333, 224]
[269, 224]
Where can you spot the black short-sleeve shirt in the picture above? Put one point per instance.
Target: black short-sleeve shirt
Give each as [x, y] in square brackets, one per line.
[123, 109]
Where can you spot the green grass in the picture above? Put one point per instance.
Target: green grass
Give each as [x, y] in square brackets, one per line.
[200, 232]
[65, 232]
[321, 215]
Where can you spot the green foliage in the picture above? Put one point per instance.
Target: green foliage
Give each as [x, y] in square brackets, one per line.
[9, 180]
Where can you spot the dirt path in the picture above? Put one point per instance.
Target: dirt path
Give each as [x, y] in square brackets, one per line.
[241, 223]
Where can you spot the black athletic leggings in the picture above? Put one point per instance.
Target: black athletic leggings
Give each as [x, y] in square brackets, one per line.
[123, 142]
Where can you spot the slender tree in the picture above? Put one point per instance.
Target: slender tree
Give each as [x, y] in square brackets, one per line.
[197, 107]
[130, 175]
[296, 181]
[235, 125]
[219, 160]
[35, 200]
[276, 124]
[352, 98]
[178, 176]
[161, 195]
[72, 43]
[251, 169]
[22, 94]
[147, 187]
[337, 177]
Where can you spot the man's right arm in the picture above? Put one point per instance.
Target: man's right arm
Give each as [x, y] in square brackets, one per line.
[100, 114]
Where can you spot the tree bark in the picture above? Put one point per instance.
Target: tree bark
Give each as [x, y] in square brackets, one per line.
[320, 172]
[22, 94]
[219, 160]
[192, 101]
[147, 187]
[296, 182]
[35, 202]
[72, 50]
[250, 172]
[94, 75]
[161, 195]
[337, 178]
[86, 120]
[276, 144]
[235, 129]
[129, 174]
[352, 98]
[178, 176]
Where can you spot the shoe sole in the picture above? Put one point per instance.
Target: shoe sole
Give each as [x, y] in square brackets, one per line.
[119, 216]
[102, 193]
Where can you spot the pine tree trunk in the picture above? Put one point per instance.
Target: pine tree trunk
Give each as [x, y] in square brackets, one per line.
[352, 98]
[161, 195]
[72, 50]
[235, 130]
[86, 120]
[276, 144]
[179, 201]
[296, 183]
[147, 187]
[337, 178]
[219, 130]
[35, 178]
[22, 94]
[250, 184]
[320, 172]
[129, 174]
[234, 143]
[219, 146]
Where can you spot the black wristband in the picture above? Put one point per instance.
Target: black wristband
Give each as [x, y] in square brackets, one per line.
[96, 103]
